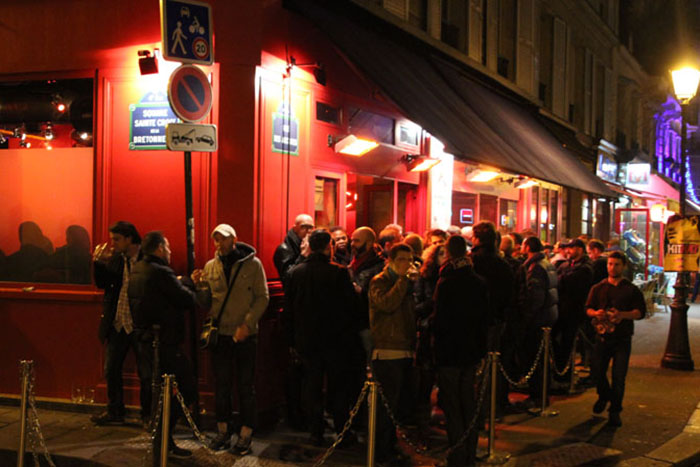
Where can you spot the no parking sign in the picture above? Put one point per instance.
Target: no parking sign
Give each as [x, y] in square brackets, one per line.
[189, 93]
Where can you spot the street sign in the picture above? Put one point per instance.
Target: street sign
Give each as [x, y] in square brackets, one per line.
[187, 30]
[148, 120]
[189, 93]
[191, 137]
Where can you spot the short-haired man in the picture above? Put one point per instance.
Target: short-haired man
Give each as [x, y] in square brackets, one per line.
[460, 328]
[387, 239]
[158, 297]
[393, 330]
[112, 266]
[435, 236]
[324, 324]
[341, 251]
[596, 248]
[614, 305]
[239, 298]
[294, 247]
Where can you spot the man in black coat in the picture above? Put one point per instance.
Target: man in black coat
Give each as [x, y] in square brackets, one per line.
[324, 323]
[288, 253]
[460, 327]
[575, 280]
[158, 297]
[112, 266]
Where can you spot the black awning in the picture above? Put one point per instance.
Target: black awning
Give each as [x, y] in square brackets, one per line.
[472, 121]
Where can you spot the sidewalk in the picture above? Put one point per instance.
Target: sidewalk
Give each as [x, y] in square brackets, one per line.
[660, 422]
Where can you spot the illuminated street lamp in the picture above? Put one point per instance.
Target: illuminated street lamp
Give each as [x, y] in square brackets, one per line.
[677, 355]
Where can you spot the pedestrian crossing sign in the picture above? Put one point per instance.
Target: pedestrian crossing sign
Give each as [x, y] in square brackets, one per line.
[187, 31]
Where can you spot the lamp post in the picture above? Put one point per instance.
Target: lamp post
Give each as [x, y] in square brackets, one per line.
[677, 355]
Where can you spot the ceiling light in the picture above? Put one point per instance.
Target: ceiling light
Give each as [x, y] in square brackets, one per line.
[419, 163]
[352, 145]
[482, 175]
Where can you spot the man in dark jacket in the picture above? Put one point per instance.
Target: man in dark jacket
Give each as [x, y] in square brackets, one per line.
[158, 297]
[460, 343]
[324, 325]
[112, 266]
[342, 254]
[575, 280]
[288, 253]
[538, 299]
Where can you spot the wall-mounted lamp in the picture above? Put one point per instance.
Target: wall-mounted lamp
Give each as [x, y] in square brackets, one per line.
[418, 162]
[351, 145]
[482, 175]
[523, 183]
[318, 69]
[148, 64]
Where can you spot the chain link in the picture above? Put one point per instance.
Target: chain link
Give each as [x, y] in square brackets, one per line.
[529, 374]
[346, 427]
[553, 362]
[153, 427]
[36, 437]
[402, 430]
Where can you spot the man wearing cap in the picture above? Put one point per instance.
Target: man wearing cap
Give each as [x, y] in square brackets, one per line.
[575, 280]
[235, 267]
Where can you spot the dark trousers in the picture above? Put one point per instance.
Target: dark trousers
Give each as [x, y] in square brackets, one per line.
[394, 376]
[532, 342]
[118, 345]
[563, 335]
[333, 364]
[227, 355]
[457, 399]
[618, 350]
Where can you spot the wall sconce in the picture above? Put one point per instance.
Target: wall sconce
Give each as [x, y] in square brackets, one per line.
[524, 182]
[148, 64]
[482, 175]
[318, 69]
[351, 145]
[418, 162]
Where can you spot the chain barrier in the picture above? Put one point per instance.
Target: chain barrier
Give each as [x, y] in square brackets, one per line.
[419, 449]
[529, 374]
[346, 427]
[36, 437]
[553, 363]
[153, 427]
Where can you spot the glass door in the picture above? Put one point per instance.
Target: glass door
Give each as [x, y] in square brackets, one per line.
[633, 227]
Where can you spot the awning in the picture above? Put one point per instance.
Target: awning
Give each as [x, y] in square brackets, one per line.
[474, 122]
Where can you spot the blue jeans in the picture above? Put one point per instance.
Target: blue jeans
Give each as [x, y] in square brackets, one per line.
[618, 350]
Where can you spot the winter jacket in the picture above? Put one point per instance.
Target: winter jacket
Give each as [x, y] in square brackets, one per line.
[361, 272]
[392, 315]
[287, 254]
[156, 296]
[538, 297]
[499, 279]
[249, 297]
[108, 277]
[461, 316]
[321, 306]
[575, 281]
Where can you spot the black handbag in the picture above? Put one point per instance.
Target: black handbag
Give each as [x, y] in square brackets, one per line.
[210, 328]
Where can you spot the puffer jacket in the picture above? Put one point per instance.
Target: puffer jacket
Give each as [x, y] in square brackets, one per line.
[539, 296]
[392, 316]
[249, 297]
[575, 281]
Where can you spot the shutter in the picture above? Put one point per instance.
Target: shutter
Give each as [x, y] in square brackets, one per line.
[492, 35]
[476, 22]
[525, 55]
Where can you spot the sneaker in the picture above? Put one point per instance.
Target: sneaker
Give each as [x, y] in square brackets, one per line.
[175, 451]
[106, 418]
[221, 442]
[614, 419]
[599, 405]
[242, 446]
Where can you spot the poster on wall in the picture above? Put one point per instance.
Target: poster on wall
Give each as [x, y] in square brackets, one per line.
[147, 122]
[285, 131]
[682, 244]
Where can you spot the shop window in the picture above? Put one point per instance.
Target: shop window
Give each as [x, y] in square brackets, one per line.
[325, 202]
[586, 215]
[463, 209]
[552, 223]
[564, 213]
[488, 208]
[46, 180]
[534, 204]
[544, 214]
[327, 113]
[508, 215]
[371, 125]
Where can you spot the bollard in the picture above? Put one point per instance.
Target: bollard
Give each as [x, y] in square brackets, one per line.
[165, 426]
[26, 366]
[494, 457]
[371, 422]
[545, 412]
[572, 366]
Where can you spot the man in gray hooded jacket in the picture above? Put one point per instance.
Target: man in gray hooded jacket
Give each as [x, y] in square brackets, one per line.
[235, 267]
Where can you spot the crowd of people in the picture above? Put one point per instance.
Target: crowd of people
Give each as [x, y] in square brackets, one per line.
[412, 311]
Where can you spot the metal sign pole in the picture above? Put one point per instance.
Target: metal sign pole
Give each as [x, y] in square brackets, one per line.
[190, 267]
[25, 365]
[165, 425]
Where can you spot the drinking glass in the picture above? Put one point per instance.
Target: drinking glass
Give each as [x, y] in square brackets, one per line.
[89, 395]
[76, 394]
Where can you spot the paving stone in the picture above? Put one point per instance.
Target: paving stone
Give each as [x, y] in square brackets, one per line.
[566, 456]
[643, 462]
[683, 449]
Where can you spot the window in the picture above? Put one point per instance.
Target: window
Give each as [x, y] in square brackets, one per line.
[327, 113]
[325, 202]
[371, 125]
[508, 216]
[463, 209]
[418, 13]
[507, 38]
[46, 181]
[488, 208]
[534, 204]
[586, 211]
[454, 28]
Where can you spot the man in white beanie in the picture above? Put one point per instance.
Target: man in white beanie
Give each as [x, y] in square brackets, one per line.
[235, 267]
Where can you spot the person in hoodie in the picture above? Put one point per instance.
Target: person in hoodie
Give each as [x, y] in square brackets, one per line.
[460, 342]
[294, 248]
[237, 268]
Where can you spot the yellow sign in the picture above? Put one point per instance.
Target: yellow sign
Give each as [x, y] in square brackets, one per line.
[682, 244]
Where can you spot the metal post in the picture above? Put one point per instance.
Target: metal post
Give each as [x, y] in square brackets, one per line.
[572, 366]
[372, 422]
[155, 373]
[677, 355]
[26, 366]
[545, 412]
[165, 426]
[494, 457]
[189, 214]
